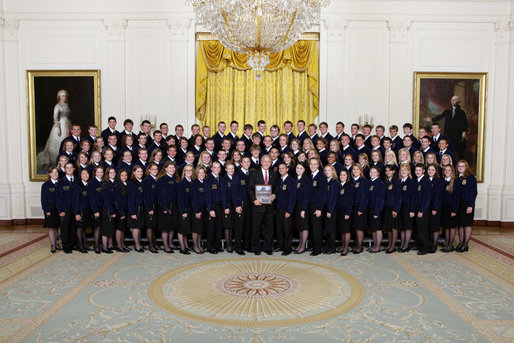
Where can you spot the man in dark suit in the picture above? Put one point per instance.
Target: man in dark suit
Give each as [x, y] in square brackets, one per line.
[300, 125]
[74, 137]
[262, 212]
[455, 125]
[219, 135]
[323, 130]
[111, 128]
[234, 126]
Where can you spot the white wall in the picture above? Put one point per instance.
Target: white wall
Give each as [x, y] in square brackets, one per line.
[145, 50]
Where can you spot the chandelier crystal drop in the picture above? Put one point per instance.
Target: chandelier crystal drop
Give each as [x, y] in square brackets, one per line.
[258, 27]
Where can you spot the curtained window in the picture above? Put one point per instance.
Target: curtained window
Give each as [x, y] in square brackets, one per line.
[226, 89]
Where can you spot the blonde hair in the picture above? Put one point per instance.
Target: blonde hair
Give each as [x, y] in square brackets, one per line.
[407, 153]
[407, 168]
[392, 155]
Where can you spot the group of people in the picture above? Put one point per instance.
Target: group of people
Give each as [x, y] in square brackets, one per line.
[323, 188]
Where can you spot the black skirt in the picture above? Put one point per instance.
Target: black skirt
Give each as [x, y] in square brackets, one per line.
[375, 224]
[52, 221]
[359, 222]
[150, 219]
[85, 219]
[343, 225]
[465, 219]
[405, 220]
[330, 224]
[199, 225]
[447, 221]
[184, 224]
[434, 222]
[301, 224]
[167, 222]
[139, 222]
[96, 222]
[108, 224]
[228, 219]
[121, 224]
[389, 221]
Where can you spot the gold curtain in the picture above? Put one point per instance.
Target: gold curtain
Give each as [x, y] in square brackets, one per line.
[227, 89]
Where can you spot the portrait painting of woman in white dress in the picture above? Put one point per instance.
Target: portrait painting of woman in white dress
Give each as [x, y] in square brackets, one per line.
[58, 99]
[59, 131]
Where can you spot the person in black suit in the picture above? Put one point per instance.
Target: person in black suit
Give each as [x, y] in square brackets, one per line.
[218, 136]
[48, 203]
[262, 212]
[64, 192]
[300, 125]
[74, 137]
[323, 130]
[436, 136]
[455, 125]
[232, 135]
[286, 198]
[110, 129]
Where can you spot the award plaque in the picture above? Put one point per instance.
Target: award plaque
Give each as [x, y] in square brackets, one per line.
[263, 194]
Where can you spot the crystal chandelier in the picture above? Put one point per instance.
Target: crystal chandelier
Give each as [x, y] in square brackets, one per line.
[258, 27]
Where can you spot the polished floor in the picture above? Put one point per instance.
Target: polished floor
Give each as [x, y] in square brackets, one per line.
[456, 297]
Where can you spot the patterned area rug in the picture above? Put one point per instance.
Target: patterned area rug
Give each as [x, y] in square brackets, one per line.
[226, 298]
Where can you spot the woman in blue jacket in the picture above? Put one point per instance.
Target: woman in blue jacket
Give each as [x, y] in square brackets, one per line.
[185, 207]
[109, 210]
[301, 216]
[468, 195]
[48, 199]
[392, 206]
[450, 206]
[330, 211]
[375, 205]
[96, 203]
[167, 200]
[82, 210]
[344, 209]
[436, 198]
[360, 205]
[150, 204]
[136, 219]
[121, 206]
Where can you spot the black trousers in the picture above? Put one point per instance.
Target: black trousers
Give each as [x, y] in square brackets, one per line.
[241, 227]
[284, 235]
[214, 229]
[316, 227]
[68, 230]
[258, 217]
[422, 231]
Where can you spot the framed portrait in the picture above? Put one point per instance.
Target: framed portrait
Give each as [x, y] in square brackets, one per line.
[462, 120]
[57, 99]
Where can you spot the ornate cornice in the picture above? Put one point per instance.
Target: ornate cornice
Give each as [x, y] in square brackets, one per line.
[116, 28]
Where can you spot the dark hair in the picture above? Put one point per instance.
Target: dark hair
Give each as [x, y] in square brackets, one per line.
[128, 121]
[407, 125]
[145, 122]
[261, 122]
[111, 118]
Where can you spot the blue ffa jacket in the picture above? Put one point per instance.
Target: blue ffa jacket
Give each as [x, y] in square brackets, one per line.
[48, 195]
[105, 134]
[393, 194]
[468, 190]
[149, 192]
[303, 189]
[167, 192]
[332, 194]
[80, 199]
[96, 201]
[135, 196]
[184, 195]
[349, 151]
[318, 190]
[397, 143]
[226, 191]
[363, 150]
[108, 197]
[376, 196]
[345, 198]
[72, 157]
[125, 166]
[360, 193]
[286, 194]
[409, 193]
[121, 199]
[422, 194]
[451, 199]
[198, 196]
[239, 192]
[91, 169]
[436, 196]
[64, 194]
[212, 192]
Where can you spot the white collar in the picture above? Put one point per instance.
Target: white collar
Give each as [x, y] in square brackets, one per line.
[233, 134]
[283, 178]
[342, 183]
[128, 132]
[70, 178]
[221, 134]
[54, 181]
[405, 179]
[448, 179]
[372, 180]
[301, 133]
[419, 178]
[315, 173]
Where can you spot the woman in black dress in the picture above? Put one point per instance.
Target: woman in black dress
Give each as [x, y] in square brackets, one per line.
[121, 205]
[344, 209]
[301, 222]
[435, 204]
[227, 206]
[150, 204]
[199, 215]
[392, 206]
[48, 192]
[82, 210]
[96, 202]
[136, 220]
[184, 207]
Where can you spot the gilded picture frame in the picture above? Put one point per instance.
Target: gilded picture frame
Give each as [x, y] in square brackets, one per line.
[432, 95]
[56, 99]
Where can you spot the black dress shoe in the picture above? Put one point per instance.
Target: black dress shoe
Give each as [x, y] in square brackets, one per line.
[433, 250]
[169, 251]
[140, 249]
[52, 251]
[257, 253]
[83, 251]
[373, 251]
[462, 249]
[97, 251]
[196, 252]
[390, 251]
[119, 250]
[422, 252]
[153, 251]
[240, 252]
[127, 249]
[344, 253]
[329, 252]
[213, 251]
[315, 253]
[66, 251]
[299, 252]
[268, 252]
[277, 249]
[185, 252]
[58, 247]
[285, 253]
[106, 251]
[230, 251]
[356, 252]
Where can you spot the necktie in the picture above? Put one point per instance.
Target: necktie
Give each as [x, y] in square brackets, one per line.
[266, 177]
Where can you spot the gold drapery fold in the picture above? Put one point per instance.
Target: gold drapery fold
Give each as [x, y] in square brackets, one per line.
[227, 89]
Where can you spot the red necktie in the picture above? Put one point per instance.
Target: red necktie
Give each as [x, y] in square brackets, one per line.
[266, 177]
